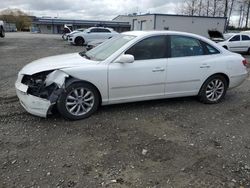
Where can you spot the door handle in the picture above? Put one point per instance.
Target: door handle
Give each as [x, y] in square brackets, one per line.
[204, 66]
[158, 69]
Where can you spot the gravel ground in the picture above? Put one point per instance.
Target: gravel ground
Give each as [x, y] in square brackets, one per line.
[164, 143]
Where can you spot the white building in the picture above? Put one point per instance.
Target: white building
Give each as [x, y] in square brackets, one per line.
[192, 24]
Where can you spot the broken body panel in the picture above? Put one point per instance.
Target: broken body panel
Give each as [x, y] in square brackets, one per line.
[40, 83]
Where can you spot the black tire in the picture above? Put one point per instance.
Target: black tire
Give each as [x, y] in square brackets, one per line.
[248, 51]
[79, 41]
[225, 47]
[63, 101]
[2, 32]
[206, 90]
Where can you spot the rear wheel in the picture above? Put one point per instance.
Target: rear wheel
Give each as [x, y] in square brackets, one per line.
[79, 41]
[213, 90]
[79, 101]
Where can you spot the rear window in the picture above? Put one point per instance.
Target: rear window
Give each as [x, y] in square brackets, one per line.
[98, 30]
[211, 49]
[182, 46]
[245, 37]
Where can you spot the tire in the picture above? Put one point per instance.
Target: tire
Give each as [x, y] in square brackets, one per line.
[2, 32]
[79, 41]
[225, 47]
[248, 51]
[213, 90]
[78, 101]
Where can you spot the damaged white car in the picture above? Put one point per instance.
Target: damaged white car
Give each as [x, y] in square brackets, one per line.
[133, 66]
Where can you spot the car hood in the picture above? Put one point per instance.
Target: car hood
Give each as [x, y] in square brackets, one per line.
[56, 62]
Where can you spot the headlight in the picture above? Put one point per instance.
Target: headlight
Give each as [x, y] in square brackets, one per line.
[35, 79]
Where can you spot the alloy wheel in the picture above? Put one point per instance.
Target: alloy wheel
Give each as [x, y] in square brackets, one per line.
[79, 101]
[215, 90]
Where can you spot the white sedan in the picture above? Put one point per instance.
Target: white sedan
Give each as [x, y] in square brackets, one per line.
[66, 35]
[90, 34]
[236, 42]
[133, 66]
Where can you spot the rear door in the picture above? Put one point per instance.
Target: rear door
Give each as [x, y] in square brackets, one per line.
[245, 41]
[188, 65]
[234, 44]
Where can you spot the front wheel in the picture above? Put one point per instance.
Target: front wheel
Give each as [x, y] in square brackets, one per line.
[213, 90]
[79, 41]
[79, 101]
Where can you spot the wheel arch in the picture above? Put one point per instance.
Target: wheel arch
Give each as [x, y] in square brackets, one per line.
[78, 37]
[217, 74]
[225, 46]
[72, 80]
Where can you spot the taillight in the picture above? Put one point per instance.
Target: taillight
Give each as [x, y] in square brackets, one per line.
[244, 62]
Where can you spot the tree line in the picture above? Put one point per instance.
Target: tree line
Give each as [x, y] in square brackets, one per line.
[20, 18]
[218, 8]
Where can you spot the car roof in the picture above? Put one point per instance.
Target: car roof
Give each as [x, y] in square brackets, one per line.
[241, 33]
[142, 33]
[148, 33]
[100, 28]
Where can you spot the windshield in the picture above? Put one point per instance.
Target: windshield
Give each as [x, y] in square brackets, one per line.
[109, 47]
[227, 36]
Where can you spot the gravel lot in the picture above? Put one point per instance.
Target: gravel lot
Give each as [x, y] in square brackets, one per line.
[164, 143]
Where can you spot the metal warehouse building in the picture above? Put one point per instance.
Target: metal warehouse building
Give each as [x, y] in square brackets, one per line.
[55, 25]
[193, 24]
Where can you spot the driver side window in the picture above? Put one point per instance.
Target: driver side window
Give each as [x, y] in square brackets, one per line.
[149, 48]
[235, 38]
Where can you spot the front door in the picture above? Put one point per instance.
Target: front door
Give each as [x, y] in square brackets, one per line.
[145, 78]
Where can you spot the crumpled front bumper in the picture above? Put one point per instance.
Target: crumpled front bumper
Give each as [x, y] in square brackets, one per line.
[34, 105]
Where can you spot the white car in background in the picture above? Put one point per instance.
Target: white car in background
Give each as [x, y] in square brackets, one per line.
[236, 42]
[2, 31]
[90, 34]
[133, 66]
[66, 35]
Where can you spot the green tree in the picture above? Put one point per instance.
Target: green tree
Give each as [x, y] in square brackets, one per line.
[21, 19]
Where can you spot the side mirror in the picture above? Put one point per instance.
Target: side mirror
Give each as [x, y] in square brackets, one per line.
[125, 58]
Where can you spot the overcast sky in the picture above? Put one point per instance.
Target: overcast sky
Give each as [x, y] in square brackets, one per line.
[90, 9]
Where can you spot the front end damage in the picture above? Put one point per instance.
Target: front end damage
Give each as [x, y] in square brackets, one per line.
[39, 92]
